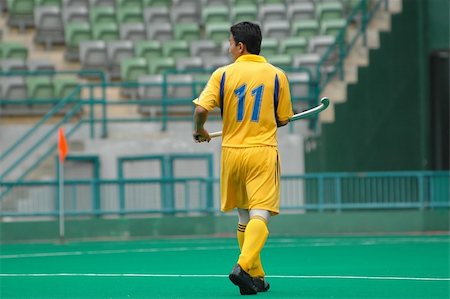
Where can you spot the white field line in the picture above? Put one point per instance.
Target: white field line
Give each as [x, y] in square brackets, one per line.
[221, 276]
[281, 243]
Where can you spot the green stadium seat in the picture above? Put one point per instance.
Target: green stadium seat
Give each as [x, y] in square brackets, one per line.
[294, 45]
[157, 66]
[64, 87]
[216, 13]
[244, 13]
[129, 3]
[269, 46]
[102, 14]
[132, 68]
[271, 1]
[129, 15]
[243, 2]
[332, 27]
[105, 31]
[13, 50]
[187, 31]
[40, 87]
[218, 32]
[149, 50]
[74, 32]
[329, 11]
[282, 61]
[305, 28]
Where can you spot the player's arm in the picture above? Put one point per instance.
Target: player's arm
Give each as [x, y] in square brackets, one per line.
[200, 117]
[281, 123]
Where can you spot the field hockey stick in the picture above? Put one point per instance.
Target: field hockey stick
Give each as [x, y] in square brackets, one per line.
[324, 102]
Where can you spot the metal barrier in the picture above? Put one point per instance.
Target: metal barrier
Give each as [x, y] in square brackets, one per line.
[320, 192]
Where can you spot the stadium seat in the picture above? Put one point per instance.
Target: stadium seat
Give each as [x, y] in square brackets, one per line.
[299, 83]
[132, 68]
[75, 3]
[12, 64]
[129, 3]
[40, 88]
[187, 31]
[180, 87]
[49, 25]
[159, 14]
[93, 55]
[40, 65]
[158, 66]
[188, 63]
[57, 3]
[74, 33]
[129, 15]
[13, 88]
[293, 45]
[200, 80]
[21, 13]
[148, 49]
[64, 87]
[332, 27]
[185, 14]
[213, 63]
[116, 51]
[244, 2]
[75, 14]
[160, 31]
[150, 88]
[301, 11]
[269, 46]
[282, 61]
[176, 48]
[204, 48]
[104, 3]
[218, 32]
[276, 29]
[308, 61]
[271, 12]
[105, 31]
[216, 13]
[165, 3]
[329, 11]
[102, 14]
[244, 13]
[320, 44]
[216, 2]
[134, 32]
[305, 28]
[13, 50]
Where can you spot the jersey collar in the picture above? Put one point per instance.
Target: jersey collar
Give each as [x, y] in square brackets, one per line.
[251, 57]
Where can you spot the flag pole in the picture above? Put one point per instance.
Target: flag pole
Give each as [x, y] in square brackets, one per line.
[61, 202]
[63, 150]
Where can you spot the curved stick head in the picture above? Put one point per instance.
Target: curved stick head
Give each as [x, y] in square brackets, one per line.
[325, 101]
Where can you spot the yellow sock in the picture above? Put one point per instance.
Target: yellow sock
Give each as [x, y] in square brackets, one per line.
[254, 239]
[257, 269]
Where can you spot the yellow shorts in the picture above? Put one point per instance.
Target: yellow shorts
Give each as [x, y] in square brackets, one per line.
[250, 179]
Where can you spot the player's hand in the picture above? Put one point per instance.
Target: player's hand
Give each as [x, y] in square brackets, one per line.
[201, 135]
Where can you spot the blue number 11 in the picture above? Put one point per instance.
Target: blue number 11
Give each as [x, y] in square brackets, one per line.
[257, 95]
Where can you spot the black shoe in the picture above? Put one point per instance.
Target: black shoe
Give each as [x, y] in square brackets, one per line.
[243, 280]
[261, 284]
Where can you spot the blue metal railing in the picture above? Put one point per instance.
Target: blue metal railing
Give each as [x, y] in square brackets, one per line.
[317, 192]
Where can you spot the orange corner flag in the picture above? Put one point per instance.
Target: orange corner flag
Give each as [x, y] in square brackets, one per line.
[63, 148]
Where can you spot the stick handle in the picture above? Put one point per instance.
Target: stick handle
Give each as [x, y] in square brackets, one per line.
[215, 134]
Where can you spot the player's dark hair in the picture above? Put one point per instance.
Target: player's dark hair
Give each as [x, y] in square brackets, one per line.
[249, 34]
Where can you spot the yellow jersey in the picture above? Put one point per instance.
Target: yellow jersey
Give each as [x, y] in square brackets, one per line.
[252, 94]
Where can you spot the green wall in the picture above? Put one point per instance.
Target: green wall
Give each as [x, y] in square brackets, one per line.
[308, 224]
[384, 124]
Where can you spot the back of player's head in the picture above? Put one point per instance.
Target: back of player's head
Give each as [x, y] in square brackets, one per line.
[249, 34]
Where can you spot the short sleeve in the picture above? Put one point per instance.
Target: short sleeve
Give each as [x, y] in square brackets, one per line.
[284, 110]
[210, 96]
